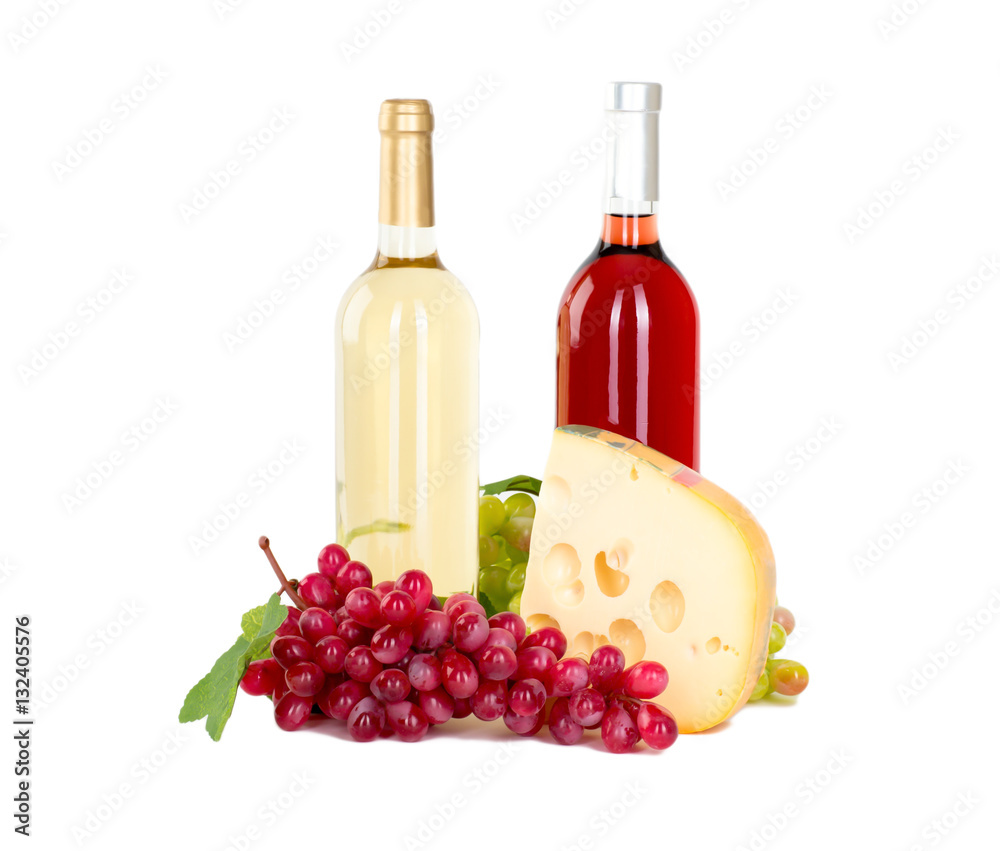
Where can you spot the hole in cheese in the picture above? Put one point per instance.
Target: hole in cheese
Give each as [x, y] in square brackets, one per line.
[629, 638]
[561, 565]
[610, 580]
[634, 475]
[713, 644]
[666, 605]
[570, 594]
[536, 622]
[583, 644]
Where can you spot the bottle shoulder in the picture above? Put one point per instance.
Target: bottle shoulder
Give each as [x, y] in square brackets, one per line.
[649, 273]
[407, 291]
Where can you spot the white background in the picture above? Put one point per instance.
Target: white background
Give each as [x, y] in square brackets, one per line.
[900, 422]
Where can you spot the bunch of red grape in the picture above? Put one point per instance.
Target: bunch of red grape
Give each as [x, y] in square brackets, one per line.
[392, 660]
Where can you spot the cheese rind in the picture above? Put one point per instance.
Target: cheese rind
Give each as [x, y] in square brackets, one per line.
[633, 548]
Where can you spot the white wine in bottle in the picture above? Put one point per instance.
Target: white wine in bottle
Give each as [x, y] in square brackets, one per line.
[408, 383]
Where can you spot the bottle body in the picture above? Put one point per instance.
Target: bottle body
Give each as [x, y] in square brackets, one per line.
[407, 339]
[627, 330]
[628, 350]
[408, 411]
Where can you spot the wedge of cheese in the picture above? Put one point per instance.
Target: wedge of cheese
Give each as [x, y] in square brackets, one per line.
[633, 548]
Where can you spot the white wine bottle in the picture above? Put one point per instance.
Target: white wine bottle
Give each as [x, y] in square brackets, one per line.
[408, 383]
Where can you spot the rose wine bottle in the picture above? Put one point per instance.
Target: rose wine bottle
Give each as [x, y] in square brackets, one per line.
[407, 339]
[628, 323]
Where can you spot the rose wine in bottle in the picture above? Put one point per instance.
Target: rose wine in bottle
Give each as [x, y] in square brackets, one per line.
[628, 323]
[407, 339]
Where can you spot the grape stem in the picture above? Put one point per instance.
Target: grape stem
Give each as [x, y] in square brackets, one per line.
[286, 586]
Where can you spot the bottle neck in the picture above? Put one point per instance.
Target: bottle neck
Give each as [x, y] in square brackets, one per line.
[406, 243]
[630, 231]
[406, 180]
[633, 163]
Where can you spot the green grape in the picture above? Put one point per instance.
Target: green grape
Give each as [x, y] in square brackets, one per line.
[491, 515]
[515, 604]
[785, 618]
[788, 678]
[493, 583]
[515, 579]
[762, 688]
[517, 532]
[519, 505]
[777, 639]
[489, 551]
[516, 556]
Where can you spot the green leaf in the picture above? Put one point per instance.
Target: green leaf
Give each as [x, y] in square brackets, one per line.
[378, 526]
[264, 619]
[528, 484]
[214, 695]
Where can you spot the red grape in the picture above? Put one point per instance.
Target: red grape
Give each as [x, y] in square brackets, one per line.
[464, 607]
[431, 630]
[316, 624]
[523, 725]
[438, 705]
[458, 675]
[435, 604]
[490, 701]
[354, 633]
[527, 697]
[339, 703]
[630, 705]
[534, 662]
[331, 653]
[305, 679]
[292, 711]
[366, 720]
[455, 599]
[656, 726]
[261, 677]
[331, 558]
[351, 575]
[316, 590]
[567, 676]
[391, 686]
[398, 608]
[470, 631]
[407, 721]
[547, 636]
[289, 649]
[513, 623]
[563, 728]
[290, 626]
[607, 663]
[497, 663]
[424, 672]
[645, 680]
[361, 665]
[586, 707]
[463, 707]
[618, 731]
[417, 584]
[391, 643]
[322, 700]
[363, 605]
[280, 690]
[383, 588]
[500, 637]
